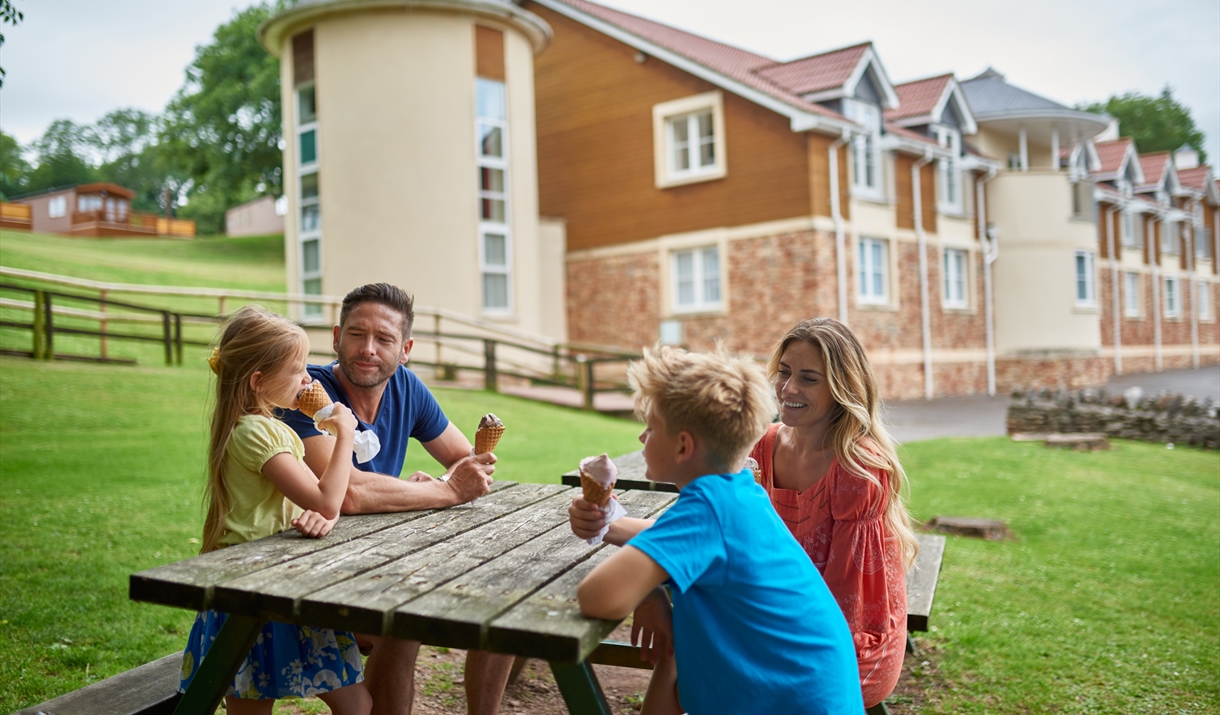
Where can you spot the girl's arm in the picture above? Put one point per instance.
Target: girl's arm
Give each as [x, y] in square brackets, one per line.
[297, 482]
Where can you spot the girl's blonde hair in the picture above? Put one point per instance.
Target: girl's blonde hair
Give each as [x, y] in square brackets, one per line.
[857, 434]
[253, 339]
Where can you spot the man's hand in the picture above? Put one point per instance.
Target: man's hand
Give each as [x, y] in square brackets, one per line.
[470, 478]
[652, 627]
[586, 518]
[313, 524]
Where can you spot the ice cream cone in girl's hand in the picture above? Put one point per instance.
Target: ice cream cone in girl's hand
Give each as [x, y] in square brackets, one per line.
[313, 398]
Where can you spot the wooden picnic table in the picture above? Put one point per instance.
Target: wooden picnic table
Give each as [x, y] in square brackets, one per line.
[498, 575]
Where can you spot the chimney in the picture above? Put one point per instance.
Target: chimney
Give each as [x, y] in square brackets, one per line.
[1185, 158]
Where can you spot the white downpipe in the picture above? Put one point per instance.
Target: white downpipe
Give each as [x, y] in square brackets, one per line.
[925, 317]
[1156, 298]
[836, 214]
[1194, 296]
[1114, 294]
[1024, 149]
[990, 253]
[1055, 149]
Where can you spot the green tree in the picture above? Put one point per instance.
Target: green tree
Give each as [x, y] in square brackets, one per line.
[1158, 123]
[61, 157]
[125, 141]
[10, 14]
[14, 169]
[222, 129]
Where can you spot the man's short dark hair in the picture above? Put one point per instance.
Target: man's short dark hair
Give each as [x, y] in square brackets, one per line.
[385, 294]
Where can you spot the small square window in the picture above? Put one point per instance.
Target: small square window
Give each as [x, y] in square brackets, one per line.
[688, 137]
[1131, 295]
[1173, 298]
[309, 147]
[696, 279]
[1086, 295]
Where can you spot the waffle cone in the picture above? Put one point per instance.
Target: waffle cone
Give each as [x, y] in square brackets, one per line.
[313, 399]
[486, 439]
[595, 493]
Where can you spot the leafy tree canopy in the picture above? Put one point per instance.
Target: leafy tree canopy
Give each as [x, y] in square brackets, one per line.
[14, 169]
[1155, 124]
[61, 157]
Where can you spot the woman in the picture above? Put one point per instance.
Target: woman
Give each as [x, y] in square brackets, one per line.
[835, 480]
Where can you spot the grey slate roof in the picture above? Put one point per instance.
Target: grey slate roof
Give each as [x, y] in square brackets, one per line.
[992, 97]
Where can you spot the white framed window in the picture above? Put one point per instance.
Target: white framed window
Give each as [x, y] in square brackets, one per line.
[874, 271]
[495, 238]
[1131, 295]
[1086, 290]
[309, 219]
[1203, 293]
[688, 140]
[1173, 297]
[1172, 242]
[57, 207]
[695, 280]
[956, 276]
[1082, 198]
[865, 148]
[1132, 230]
[1203, 243]
[948, 171]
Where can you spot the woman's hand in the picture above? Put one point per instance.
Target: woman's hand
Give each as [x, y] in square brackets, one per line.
[653, 627]
[586, 518]
[341, 421]
[313, 524]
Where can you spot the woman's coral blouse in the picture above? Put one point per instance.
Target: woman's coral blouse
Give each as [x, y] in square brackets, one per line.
[839, 521]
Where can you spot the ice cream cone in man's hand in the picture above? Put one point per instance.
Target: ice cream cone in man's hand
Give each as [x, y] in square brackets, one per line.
[487, 436]
[597, 477]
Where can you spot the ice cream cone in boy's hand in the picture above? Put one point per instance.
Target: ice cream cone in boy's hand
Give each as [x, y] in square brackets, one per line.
[313, 398]
[597, 477]
[488, 434]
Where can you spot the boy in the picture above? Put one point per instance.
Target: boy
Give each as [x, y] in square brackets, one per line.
[755, 629]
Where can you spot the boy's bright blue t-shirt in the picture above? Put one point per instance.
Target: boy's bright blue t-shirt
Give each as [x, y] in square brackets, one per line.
[755, 628]
[407, 410]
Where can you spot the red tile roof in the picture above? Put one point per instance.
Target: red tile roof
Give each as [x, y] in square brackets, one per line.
[817, 73]
[1111, 154]
[1153, 166]
[918, 98]
[753, 70]
[1195, 178]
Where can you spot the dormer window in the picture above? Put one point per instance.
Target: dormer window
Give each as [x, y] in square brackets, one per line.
[948, 171]
[865, 148]
[688, 140]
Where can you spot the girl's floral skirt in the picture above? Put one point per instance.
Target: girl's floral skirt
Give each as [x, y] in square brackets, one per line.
[286, 660]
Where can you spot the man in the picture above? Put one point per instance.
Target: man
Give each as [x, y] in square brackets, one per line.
[373, 342]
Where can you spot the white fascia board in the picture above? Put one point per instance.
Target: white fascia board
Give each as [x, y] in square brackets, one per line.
[1131, 156]
[799, 120]
[973, 161]
[890, 100]
[1094, 158]
[893, 142]
[954, 91]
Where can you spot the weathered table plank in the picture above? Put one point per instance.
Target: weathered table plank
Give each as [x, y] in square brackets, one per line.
[366, 602]
[188, 583]
[274, 592]
[548, 623]
[456, 614]
[921, 581]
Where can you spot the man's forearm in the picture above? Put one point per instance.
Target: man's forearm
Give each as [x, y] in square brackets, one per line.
[372, 493]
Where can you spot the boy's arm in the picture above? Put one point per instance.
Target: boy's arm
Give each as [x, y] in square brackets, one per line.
[587, 520]
[617, 585]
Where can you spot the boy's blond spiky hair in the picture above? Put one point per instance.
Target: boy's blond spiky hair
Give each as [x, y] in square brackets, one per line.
[725, 401]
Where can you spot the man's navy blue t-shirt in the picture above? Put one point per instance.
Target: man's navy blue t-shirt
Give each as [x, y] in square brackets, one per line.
[407, 410]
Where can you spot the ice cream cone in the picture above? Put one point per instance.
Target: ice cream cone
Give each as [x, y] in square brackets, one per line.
[313, 398]
[595, 493]
[486, 438]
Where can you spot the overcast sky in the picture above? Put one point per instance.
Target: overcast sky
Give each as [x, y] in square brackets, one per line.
[78, 59]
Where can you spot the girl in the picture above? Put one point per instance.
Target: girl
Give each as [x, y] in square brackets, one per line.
[256, 474]
[834, 478]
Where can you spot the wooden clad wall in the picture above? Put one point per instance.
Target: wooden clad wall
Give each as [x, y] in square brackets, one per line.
[595, 147]
[904, 212]
[1104, 220]
[819, 175]
[488, 53]
[927, 188]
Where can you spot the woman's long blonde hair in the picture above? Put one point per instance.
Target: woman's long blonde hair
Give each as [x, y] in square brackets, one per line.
[857, 433]
[253, 339]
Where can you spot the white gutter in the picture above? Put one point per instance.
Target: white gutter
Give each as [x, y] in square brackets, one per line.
[1194, 296]
[991, 251]
[925, 317]
[1114, 293]
[836, 214]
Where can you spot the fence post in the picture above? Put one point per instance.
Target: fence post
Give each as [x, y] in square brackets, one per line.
[48, 322]
[436, 328]
[585, 365]
[40, 326]
[178, 337]
[102, 323]
[555, 362]
[167, 338]
[222, 305]
[489, 368]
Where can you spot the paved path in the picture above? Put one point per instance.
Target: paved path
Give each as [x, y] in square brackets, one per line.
[982, 416]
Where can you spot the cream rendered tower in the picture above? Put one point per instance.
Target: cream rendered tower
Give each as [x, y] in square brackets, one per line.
[410, 155]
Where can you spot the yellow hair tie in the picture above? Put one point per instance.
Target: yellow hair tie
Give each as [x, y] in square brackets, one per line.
[214, 360]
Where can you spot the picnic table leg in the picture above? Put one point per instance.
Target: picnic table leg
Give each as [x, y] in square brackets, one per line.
[580, 689]
[218, 668]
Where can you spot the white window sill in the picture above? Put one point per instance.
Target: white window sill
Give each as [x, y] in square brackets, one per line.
[703, 311]
[500, 316]
[872, 196]
[880, 307]
[1086, 309]
[958, 310]
[951, 211]
[684, 179]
